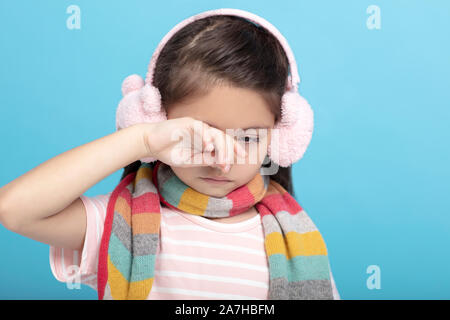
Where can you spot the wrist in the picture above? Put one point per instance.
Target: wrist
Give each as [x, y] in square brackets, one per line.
[143, 133]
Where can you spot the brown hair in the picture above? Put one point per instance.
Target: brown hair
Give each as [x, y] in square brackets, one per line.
[222, 50]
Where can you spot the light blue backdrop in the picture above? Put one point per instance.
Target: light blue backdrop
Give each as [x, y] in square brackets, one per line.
[375, 178]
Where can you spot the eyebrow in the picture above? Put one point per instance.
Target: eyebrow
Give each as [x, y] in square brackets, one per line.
[254, 127]
[257, 127]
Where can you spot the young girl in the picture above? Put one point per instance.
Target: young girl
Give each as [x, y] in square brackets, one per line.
[185, 230]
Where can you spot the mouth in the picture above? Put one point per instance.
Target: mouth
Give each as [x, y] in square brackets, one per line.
[216, 180]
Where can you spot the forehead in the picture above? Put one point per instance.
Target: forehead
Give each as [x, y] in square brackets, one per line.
[227, 107]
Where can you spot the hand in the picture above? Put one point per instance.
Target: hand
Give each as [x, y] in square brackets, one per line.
[188, 142]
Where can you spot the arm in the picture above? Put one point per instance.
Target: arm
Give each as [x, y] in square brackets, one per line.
[44, 204]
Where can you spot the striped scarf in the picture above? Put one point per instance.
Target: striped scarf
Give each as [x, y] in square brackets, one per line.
[297, 254]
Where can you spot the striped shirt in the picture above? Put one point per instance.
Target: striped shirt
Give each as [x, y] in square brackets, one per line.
[197, 258]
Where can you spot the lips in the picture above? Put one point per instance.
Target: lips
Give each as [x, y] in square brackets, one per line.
[217, 178]
[216, 181]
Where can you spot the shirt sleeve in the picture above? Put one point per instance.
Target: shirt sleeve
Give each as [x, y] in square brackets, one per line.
[336, 295]
[69, 265]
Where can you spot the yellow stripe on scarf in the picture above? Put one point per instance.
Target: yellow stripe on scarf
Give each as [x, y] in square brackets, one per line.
[191, 196]
[304, 244]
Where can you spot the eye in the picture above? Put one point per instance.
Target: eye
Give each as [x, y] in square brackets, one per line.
[251, 139]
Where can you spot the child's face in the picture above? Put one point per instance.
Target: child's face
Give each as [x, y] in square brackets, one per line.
[227, 108]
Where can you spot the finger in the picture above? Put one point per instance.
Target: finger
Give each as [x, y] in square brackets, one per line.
[198, 142]
[219, 145]
[230, 149]
[183, 156]
[202, 144]
[208, 145]
[208, 141]
[201, 132]
[240, 149]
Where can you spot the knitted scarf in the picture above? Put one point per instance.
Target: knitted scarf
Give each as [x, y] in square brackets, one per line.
[296, 252]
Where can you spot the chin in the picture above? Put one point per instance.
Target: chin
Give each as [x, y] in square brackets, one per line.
[214, 191]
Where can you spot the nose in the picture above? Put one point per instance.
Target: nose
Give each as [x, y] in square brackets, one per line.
[225, 168]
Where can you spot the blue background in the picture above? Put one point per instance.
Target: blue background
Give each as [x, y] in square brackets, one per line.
[375, 178]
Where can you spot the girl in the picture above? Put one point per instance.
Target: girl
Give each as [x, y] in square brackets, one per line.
[176, 229]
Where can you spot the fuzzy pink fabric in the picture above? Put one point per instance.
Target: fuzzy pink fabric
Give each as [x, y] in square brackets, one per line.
[292, 134]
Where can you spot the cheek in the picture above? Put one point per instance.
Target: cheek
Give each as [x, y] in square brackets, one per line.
[256, 153]
[184, 174]
[245, 172]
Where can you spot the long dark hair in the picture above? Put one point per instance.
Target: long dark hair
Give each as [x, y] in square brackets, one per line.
[217, 50]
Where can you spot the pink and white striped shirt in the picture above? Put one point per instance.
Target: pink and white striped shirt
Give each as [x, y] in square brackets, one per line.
[197, 258]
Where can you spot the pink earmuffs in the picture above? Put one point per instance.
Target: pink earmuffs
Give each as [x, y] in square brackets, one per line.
[291, 135]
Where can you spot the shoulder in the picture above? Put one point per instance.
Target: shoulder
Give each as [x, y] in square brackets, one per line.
[96, 205]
